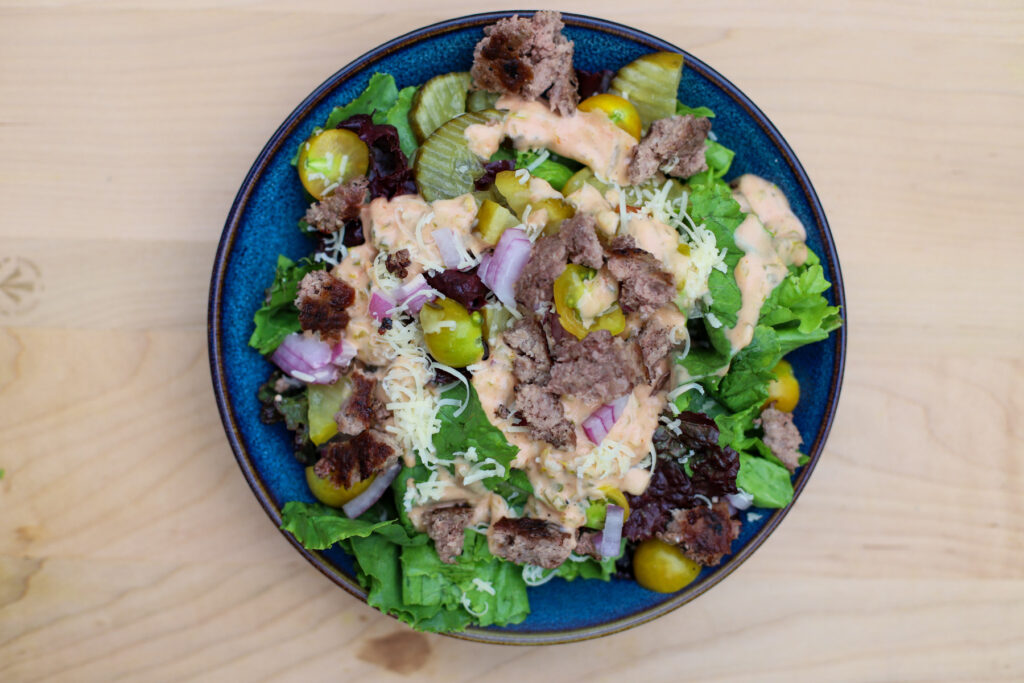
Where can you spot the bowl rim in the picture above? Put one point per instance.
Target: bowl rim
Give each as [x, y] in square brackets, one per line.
[231, 226]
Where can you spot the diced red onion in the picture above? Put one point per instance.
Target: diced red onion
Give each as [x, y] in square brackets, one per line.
[415, 293]
[306, 358]
[609, 540]
[448, 243]
[380, 306]
[343, 353]
[504, 268]
[741, 500]
[485, 262]
[372, 494]
[601, 421]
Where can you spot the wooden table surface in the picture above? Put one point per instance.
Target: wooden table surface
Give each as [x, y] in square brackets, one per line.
[131, 546]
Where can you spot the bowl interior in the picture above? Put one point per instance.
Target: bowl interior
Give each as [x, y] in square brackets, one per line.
[263, 223]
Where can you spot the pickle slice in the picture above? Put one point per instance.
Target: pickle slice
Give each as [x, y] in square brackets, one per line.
[651, 83]
[479, 100]
[445, 167]
[441, 99]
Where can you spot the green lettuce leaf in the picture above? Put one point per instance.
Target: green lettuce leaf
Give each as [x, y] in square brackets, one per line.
[719, 158]
[427, 581]
[380, 95]
[318, 527]
[682, 110]
[746, 383]
[398, 116]
[766, 481]
[556, 172]
[570, 570]
[278, 317]
[797, 308]
[471, 428]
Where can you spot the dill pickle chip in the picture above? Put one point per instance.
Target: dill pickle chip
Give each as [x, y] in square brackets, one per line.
[651, 83]
[445, 167]
[441, 99]
[479, 100]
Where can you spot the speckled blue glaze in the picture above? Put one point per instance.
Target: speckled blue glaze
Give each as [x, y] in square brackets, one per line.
[262, 224]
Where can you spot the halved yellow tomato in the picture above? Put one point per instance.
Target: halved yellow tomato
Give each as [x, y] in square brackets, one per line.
[329, 493]
[784, 389]
[620, 110]
[661, 567]
[331, 158]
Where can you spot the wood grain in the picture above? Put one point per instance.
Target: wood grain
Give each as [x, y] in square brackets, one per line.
[131, 547]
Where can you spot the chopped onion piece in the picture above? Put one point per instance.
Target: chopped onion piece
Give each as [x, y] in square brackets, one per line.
[306, 358]
[415, 293]
[380, 306]
[503, 269]
[741, 500]
[449, 244]
[343, 354]
[610, 539]
[601, 421]
[372, 494]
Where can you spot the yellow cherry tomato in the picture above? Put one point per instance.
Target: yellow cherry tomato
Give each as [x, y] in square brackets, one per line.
[663, 568]
[567, 290]
[454, 336]
[331, 158]
[784, 390]
[620, 110]
[329, 493]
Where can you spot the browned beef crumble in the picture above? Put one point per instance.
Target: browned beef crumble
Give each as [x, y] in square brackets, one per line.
[332, 212]
[398, 262]
[532, 362]
[545, 415]
[547, 261]
[322, 300]
[585, 545]
[598, 368]
[675, 144]
[654, 345]
[528, 57]
[781, 436]
[530, 541]
[704, 534]
[445, 526]
[363, 408]
[643, 285]
[348, 462]
[580, 236]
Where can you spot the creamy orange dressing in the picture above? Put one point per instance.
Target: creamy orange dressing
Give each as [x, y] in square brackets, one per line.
[757, 274]
[408, 221]
[771, 238]
[355, 270]
[588, 137]
[487, 506]
[659, 239]
[588, 199]
[560, 490]
[766, 200]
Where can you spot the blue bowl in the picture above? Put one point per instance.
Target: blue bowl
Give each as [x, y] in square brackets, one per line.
[262, 224]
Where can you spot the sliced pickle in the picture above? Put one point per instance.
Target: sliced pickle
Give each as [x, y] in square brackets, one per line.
[493, 219]
[582, 177]
[651, 83]
[479, 100]
[516, 194]
[445, 167]
[557, 211]
[441, 99]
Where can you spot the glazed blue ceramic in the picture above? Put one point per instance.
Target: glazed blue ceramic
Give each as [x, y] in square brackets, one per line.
[262, 224]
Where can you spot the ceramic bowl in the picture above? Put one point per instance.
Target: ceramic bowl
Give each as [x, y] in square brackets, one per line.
[262, 224]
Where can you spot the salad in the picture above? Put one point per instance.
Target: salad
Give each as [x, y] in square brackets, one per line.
[538, 337]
